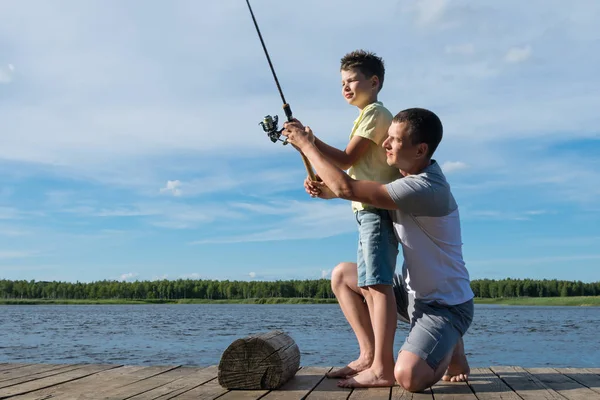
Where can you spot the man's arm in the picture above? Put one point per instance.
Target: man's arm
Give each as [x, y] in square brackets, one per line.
[343, 186]
[344, 159]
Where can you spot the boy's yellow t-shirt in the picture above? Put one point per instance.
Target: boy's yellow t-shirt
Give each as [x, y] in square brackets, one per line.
[372, 123]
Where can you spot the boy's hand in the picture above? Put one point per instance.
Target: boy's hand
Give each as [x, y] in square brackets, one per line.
[297, 134]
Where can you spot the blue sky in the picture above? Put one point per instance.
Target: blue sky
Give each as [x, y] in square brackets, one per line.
[130, 146]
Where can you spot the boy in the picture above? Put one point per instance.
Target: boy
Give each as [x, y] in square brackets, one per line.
[365, 159]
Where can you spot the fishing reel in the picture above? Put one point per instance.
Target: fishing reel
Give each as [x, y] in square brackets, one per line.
[269, 125]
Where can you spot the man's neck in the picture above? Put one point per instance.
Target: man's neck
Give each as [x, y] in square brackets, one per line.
[417, 168]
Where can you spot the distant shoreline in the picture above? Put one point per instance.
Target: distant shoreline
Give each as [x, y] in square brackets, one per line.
[517, 301]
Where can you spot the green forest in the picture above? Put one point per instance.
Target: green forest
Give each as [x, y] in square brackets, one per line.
[234, 290]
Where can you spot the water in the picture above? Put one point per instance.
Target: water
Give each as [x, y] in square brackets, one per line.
[197, 334]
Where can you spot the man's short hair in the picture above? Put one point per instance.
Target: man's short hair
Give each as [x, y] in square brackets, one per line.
[423, 127]
[366, 62]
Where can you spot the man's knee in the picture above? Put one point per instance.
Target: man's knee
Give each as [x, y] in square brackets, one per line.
[413, 375]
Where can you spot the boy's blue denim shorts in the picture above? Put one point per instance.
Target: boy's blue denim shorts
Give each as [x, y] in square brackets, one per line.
[377, 247]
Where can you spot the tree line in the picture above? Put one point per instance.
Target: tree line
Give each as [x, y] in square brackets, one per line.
[228, 290]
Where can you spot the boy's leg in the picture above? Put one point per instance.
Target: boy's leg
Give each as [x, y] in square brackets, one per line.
[435, 334]
[379, 251]
[381, 372]
[344, 285]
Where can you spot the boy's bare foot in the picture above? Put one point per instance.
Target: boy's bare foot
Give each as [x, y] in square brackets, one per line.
[368, 378]
[349, 370]
[458, 370]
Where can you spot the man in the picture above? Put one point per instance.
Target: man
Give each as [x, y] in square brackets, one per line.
[439, 299]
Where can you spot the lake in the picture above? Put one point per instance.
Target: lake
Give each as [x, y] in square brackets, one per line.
[197, 334]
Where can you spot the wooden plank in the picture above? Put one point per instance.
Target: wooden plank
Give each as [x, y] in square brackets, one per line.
[378, 393]
[65, 376]
[562, 384]
[443, 390]
[209, 391]
[243, 394]
[5, 367]
[585, 376]
[102, 381]
[524, 384]
[40, 375]
[167, 375]
[328, 389]
[398, 393]
[305, 380]
[28, 370]
[198, 377]
[487, 386]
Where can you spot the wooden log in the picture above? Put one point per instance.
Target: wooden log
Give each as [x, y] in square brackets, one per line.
[263, 361]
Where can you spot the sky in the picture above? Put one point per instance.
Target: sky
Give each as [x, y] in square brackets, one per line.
[130, 147]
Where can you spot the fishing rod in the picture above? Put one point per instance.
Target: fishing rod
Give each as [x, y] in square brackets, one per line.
[269, 123]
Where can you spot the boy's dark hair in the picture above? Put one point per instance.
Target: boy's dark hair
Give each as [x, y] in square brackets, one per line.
[366, 62]
[423, 127]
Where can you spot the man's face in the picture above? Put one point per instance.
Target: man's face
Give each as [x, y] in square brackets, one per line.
[356, 88]
[400, 151]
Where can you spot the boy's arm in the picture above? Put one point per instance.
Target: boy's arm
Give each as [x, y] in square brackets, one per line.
[344, 159]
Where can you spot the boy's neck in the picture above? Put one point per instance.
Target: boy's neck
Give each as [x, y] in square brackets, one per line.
[371, 100]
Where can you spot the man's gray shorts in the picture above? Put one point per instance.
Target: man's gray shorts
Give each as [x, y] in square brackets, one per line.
[434, 328]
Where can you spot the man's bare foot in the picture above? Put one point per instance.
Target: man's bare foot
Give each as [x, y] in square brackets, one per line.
[368, 378]
[349, 370]
[458, 370]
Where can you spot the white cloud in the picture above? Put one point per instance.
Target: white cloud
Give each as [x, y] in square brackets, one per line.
[128, 276]
[430, 11]
[9, 213]
[172, 188]
[502, 214]
[6, 73]
[12, 232]
[463, 49]
[252, 275]
[160, 277]
[311, 219]
[453, 166]
[193, 275]
[517, 55]
[325, 273]
[535, 260]
[9, 254]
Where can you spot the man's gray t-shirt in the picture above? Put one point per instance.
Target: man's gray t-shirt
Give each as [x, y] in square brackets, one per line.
[427, 224]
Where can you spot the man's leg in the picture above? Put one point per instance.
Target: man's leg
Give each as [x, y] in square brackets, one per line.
[344, 285]
[384, 318]
[435, 339]
[458, 370]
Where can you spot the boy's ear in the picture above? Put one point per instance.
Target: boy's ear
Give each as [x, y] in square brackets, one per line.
[374, 82]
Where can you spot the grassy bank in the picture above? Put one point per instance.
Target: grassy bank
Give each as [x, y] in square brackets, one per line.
[517, 301]
[270, 300]
[544, 301]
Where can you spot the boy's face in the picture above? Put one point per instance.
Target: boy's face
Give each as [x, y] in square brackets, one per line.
[357, 89]
[399, 149]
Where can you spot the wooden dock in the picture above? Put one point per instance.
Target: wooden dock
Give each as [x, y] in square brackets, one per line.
[92, 381]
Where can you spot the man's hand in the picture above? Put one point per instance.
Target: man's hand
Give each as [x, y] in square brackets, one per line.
[298, 135]
[318, 189]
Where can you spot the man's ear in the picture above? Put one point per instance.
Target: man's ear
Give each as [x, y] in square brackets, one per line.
[422, 150]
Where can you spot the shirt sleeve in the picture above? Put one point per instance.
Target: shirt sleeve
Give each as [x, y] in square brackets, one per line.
[419, 197]
[372, 125]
